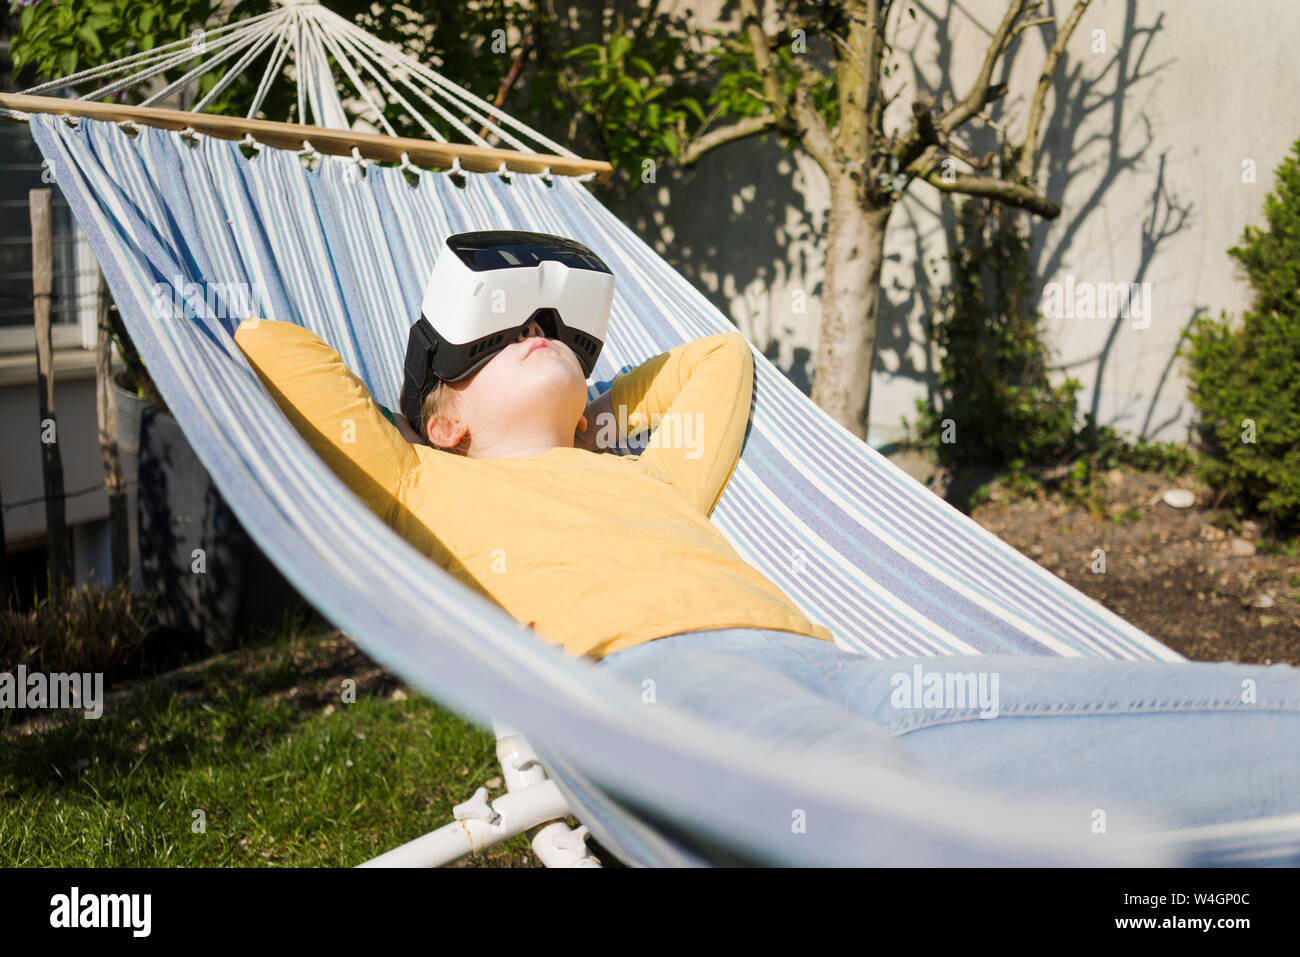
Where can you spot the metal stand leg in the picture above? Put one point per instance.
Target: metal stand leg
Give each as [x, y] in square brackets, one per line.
[532, 803]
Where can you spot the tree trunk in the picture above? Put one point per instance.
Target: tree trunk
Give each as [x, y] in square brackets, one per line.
[846, 347]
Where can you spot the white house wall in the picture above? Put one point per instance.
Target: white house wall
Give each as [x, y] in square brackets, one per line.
[1156, 108]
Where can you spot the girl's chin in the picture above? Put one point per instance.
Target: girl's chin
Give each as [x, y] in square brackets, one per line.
[556, 379]
[558, 391]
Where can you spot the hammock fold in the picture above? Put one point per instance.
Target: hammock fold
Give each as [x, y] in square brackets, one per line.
[861, 547]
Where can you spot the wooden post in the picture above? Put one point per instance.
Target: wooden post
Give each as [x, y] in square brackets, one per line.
[56, 526]
[4, 562]
[107, 411]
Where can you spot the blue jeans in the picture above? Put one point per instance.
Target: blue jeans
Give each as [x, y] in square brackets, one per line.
[1185, 743]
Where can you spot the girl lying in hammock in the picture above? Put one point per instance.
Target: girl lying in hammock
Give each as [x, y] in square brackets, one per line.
[514, 483]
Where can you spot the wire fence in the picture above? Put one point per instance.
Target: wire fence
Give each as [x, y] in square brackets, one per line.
[66, 495]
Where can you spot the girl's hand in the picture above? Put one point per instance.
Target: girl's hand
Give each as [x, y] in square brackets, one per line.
[601, 405]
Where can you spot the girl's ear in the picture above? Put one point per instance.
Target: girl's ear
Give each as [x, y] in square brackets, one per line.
[444, 433]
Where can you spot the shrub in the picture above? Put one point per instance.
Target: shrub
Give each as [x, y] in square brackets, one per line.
[90, 628]
[993, 378]
[1010, 421]
[1245, 377]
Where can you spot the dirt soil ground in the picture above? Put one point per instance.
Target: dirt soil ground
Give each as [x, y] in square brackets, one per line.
[1210, 592]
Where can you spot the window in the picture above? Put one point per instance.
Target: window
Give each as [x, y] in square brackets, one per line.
[75, 278]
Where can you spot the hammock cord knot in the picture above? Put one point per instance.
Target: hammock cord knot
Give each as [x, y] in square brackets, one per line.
[307, 152]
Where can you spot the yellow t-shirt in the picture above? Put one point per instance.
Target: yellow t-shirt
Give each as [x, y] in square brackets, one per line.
[593, 551]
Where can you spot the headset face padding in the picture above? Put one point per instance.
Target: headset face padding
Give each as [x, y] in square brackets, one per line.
[486, 287]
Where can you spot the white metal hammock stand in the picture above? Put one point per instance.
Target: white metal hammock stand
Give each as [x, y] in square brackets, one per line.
[533, 803]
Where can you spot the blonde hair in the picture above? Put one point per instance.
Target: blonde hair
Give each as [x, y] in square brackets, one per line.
[439, 397]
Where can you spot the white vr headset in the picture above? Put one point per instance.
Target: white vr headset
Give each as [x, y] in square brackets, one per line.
[484, 290]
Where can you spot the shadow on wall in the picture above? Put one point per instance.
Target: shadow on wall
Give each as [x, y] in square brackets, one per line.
[1083, 97]
[1077, 100]
[730, 225]
[737, 226]
[746, 214]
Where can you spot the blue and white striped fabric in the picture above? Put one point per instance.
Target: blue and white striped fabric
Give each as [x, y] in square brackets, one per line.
[890, 568]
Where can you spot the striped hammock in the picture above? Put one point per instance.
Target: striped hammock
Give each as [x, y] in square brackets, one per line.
[888, 566]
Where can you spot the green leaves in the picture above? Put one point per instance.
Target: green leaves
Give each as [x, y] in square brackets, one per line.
[641, 64]
[87, 35]
[618, 46]
[64, 38]
[993, 373]
[1243, 376]
[587, 50]
[672, 144]
[640, 109]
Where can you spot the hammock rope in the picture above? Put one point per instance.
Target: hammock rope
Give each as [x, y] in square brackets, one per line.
[312, 34]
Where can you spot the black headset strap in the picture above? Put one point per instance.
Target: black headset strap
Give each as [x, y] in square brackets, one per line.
[421, 347]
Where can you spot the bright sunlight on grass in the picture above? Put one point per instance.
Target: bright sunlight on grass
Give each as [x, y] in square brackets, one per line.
[260, 741]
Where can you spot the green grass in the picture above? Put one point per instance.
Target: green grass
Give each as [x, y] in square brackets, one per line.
[1289, 547]
[1126, 516]
[250, 739]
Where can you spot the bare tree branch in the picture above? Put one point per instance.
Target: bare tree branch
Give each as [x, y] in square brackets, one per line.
[644, 24]
[877, 21]
[1005, 191]
[779, 39]
[921, 134]
[1033, 133]
[1041, 21]
[924, 132]
[761, 48]
[796, 117]
[976, 97]
[512, 77]
[816, 137]
[970, 159]
[749, 126]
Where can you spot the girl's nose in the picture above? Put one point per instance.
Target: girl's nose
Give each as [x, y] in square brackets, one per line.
[533, 328]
